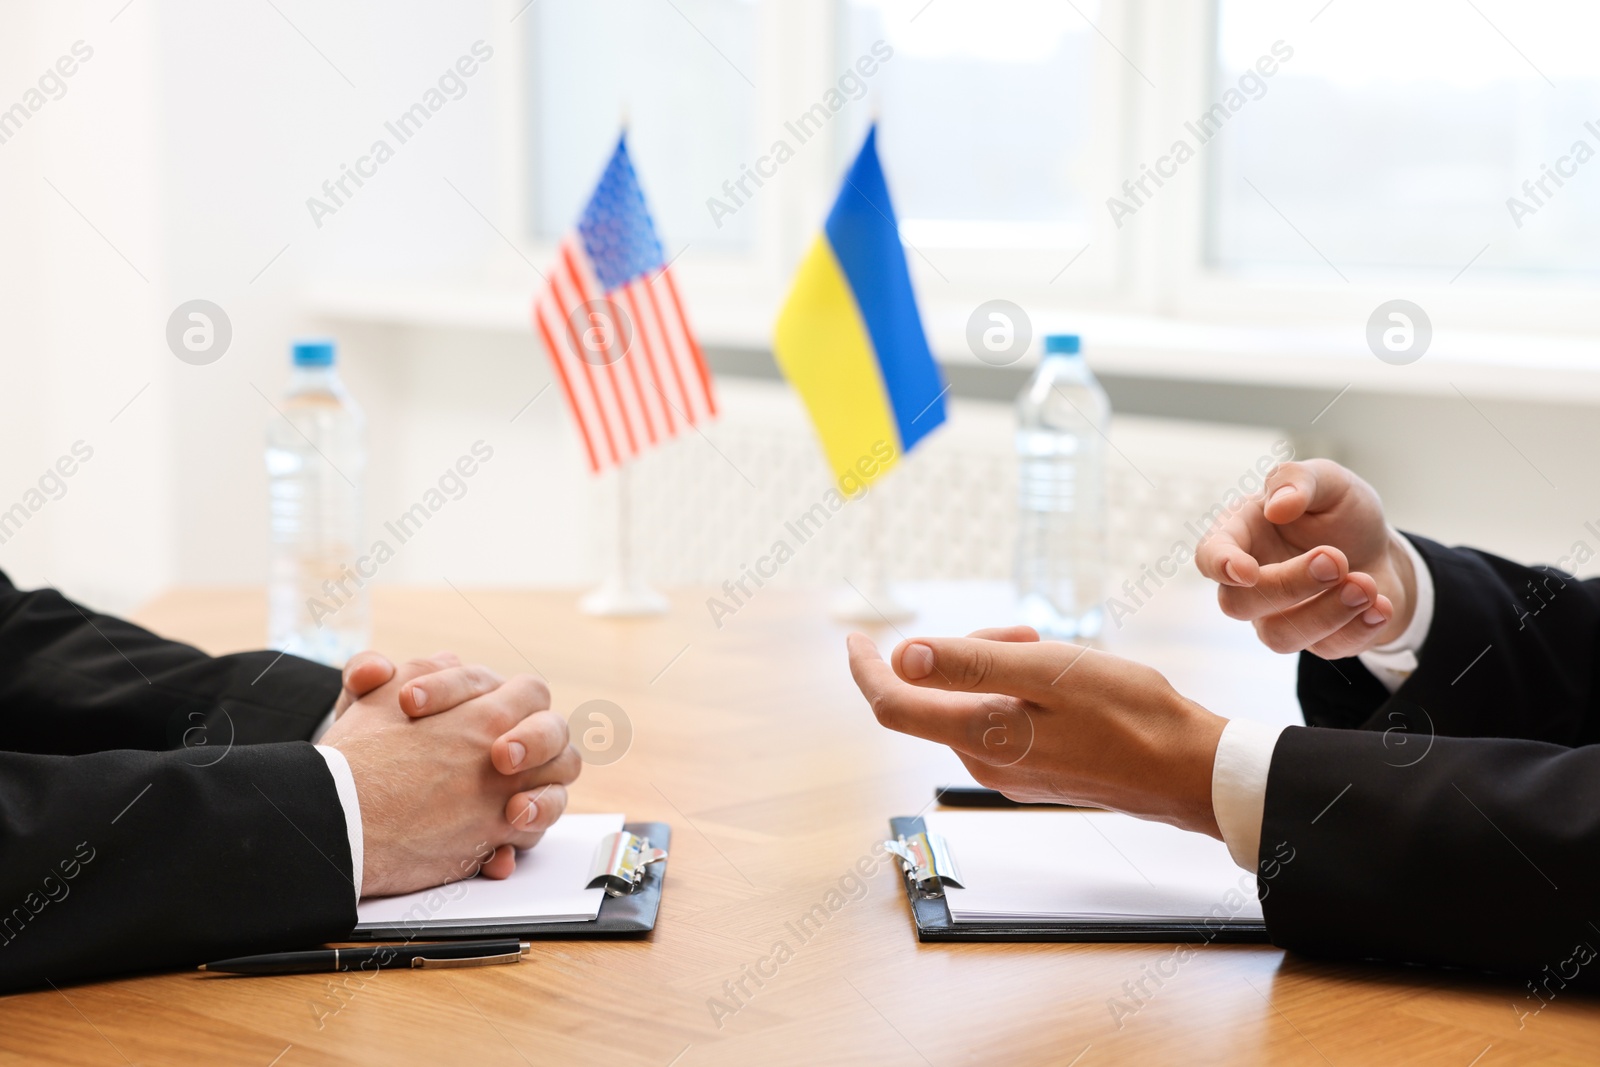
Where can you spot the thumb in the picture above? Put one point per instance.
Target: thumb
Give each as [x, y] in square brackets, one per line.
[365, 672]
[1022, 669]
[1005, 633]
[1309, 488]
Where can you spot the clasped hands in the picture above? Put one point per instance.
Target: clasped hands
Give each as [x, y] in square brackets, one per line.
[1310, 562]
[455, 768]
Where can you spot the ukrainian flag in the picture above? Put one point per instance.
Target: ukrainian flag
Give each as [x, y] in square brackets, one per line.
[849, 338]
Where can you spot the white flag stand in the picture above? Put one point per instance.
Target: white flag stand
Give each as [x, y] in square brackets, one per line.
[866, 598]
[623, 593]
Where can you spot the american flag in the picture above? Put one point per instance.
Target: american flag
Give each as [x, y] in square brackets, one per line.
[613, 323]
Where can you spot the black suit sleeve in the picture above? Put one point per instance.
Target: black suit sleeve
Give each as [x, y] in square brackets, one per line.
[1510, 653]
[75, 681]
[1458, 823]
[158, 807]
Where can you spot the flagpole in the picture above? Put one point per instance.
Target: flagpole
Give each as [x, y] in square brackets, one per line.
[623, 593]
[867, 597]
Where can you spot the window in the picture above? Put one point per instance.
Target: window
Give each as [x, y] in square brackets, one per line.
[691, 115]
[988, 124]
[1408, 137]
[1366, 142]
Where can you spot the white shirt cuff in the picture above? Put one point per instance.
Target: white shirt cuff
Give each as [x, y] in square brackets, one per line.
[1393, 663]
[345, 783]
[1239, 786]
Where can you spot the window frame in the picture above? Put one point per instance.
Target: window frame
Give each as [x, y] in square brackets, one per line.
[1155, 267]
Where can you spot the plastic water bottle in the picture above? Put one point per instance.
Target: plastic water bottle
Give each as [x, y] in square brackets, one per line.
[317, 601]
[1061, 529]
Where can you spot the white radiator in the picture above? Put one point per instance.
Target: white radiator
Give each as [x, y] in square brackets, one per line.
[706, 507]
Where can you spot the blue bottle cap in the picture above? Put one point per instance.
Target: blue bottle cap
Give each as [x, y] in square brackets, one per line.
[1065, 344]
[313, 353]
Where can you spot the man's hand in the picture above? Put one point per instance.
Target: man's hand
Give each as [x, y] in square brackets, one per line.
[1312, 563]
[1045, 721]
[363, 672]
[366, 671]
[438, 791]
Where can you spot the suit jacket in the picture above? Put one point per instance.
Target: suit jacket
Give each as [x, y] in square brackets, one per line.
[159, 807]
[1457, 821]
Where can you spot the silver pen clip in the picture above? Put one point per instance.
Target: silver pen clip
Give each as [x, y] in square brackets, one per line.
[429, 964]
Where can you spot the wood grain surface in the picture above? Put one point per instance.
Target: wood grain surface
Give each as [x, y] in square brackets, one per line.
[750, 739]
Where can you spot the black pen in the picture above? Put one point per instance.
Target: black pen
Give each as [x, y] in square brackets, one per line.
[972, 796]
[375, 957]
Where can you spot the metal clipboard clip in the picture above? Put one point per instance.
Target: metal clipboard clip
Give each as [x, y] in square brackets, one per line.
[621, 862]
[926, 861]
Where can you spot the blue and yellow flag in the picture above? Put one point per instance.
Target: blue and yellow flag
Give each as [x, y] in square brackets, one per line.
[849, 338]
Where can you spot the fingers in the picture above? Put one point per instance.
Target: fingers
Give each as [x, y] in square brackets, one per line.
[1224, 555]
[447, 688]
[501, 864]
[1311, 487]
[536, 741]
[1279, 586]
[1005, 633]
[948, 718]
[1234, 552]
[420, 665]
[961, 664]
[1358, 635]
[1289, 491]
[363, 673]
[532, 812]
[423, 665]
[528, 814]
[517, 698]
[366, 671]
[1348, 616]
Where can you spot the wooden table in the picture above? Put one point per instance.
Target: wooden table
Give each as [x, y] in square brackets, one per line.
[752, 742]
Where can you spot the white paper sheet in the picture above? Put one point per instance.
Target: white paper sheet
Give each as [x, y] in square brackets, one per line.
[1043, 866]
[547, 886]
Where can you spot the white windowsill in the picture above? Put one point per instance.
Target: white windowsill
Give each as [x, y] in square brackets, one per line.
[1564, 368]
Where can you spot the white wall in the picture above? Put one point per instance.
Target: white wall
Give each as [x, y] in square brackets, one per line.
[1515, 478]
[257, 121]
[191, 140]
[82, 284]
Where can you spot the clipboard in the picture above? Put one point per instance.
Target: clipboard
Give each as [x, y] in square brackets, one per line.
[926, 864]
[626, 866]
